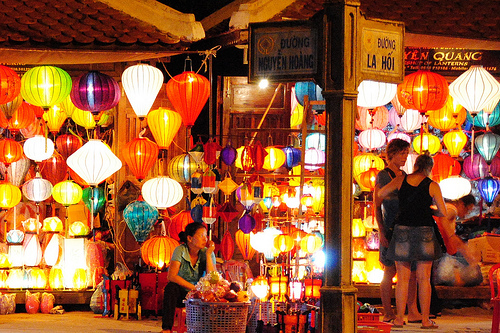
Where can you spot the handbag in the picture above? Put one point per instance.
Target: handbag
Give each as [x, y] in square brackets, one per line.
[439, 237]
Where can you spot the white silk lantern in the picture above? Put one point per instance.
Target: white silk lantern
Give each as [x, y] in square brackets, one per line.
[38, 148]
[162, 192]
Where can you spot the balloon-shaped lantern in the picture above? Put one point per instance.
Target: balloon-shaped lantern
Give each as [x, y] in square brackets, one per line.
[9, 108]
[487, 145]
[10, 84]
[488, 188]
[54, 168]
[243, 243]
[67, 193]
[162, 192]
[140, 155]
[94, 198]
[22, 117]
[94, 162]
[454, 142]
[54, 118]
[164, 125]
[37, 189]
[455, 187]
[423, 90]
[67, 144]
[141, 83]
[38, 148]
[188, 92]
[475, 167]
[95, 92]
[140, 218]
[45, 86]
[83, 118]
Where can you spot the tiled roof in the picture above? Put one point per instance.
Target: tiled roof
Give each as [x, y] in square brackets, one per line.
[78, 24]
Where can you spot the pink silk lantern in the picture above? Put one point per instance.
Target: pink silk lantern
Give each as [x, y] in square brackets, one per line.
[475, 168]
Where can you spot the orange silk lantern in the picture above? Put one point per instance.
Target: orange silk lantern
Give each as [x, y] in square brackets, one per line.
[10, 151]
[140, 155]
[444, 167]
[227, 246]
[188, 92]
[447, 117]
[10, 84]
[67, 144]
[367, 178]
[164, 125]
[158, 250]
[423, 90]
[179, 223]
[22, 117]
[243, 243]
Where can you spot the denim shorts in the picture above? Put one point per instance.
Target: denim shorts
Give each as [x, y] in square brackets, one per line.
[414, 244]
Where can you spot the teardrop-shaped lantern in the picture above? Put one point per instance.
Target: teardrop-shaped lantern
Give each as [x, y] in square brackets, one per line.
[95, 92]
[37, 189]
[487, 145]
[10, 151]
[164, 125]
[45, 86]
[488, 188]
[54, 118]
[94, 198]
[372, 138]
[67, 193]
[83, 118]
[373, 93]
[455, 187]
[162, 192]
[475, 168]
[426, 142]
[423, 90]
[246, 158]
[94, 162]
[243, 242]
[10, 195]
[484, 120]
[141, 83]
[258, 155]
[140, 154]
[32, 250]
[54, 169]
[188, 92]
[140, 218]
[474, 89]
[211, 151]
[10, 84]
[38, 148]
[454, 142]
[67, 144]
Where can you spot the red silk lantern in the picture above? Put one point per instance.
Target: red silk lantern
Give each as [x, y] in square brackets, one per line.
[188, 92]
[10, 84]
[321, 118]
[444, 167]
[247, 158]
[67, 144]
[243, 243]
[423, 90]
[211, 151]
[10, 151]
[259, 155]
[140, 155]
[54, 168]
[179, 223]
[227, 246]
[227, 211]
[158, 250]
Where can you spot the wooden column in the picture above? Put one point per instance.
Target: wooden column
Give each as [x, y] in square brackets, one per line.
[339, 81]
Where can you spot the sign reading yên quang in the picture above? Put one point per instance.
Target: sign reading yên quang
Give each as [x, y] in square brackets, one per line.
[283, 51]
[382, 50]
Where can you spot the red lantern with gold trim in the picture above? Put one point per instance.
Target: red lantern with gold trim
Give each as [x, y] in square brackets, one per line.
[227, 246]
[140, 154]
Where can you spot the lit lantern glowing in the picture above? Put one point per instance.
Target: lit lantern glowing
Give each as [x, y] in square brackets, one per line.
[372, 118]
[454, 142]
[274, 159]
[310, 243]
[444, 166]
[283, 243]
[158, 250]
[79, 279]
[488, 188]
[4, 260]
[455, 187]
[312, 288]
[37, 189]
[181, 167]
[95, 92]
[56, 280]
[314, 159]
[67, 144]
[488, 145]
[278, 286]
[52, 249]
[10, 195]
[10, 84]
[426, 142]
[67, 193]
[448, 117]
[358, 228]
[372, 138]
[15, 236]
[52, 224]
[164, 125]
[423, 90]
[32, 250]
[373, 93]
[295, 290]
[243, 242]
[83, 118]
[45, 86]
[38, 148]
[78, 229]
[140, 218]
[22, 117]
[54, 118]
[162, 192]
[260, 287]
[38, 278]
[16, 255]
[368, 178]
[10, 151]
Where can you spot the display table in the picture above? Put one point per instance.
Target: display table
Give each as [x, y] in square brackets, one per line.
[61, 296]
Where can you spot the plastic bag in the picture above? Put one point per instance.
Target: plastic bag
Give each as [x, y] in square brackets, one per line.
[121, 272]
[96, 301]
[32, 302]
[47, 302]
[7, 303]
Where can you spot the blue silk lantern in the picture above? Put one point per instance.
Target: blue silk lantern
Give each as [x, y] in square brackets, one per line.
[246, 223]
[487, 145]
[95, 92]
[94, 196]
[482, 118]
[312, 90]
[488, 188]
[293, 157]
[197, 213]
[140, 218]
[228, 154]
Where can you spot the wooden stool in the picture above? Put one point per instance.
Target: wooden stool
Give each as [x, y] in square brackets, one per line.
[179, 321]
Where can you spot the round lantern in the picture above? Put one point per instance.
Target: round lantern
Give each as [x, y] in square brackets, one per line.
[260, 287]
[368, 178]
[398, 135]
[140, 155]
[448, 117]
[83, 118]
[373, 93]
[37, 189]
[372, 138]
[474, 89]
[372, 118]
[10, 195]
[10, 84]
[142, 83]
[54, 118]
[94, 198]
[158, 250]
[38, 148]
[95, 92]
[164, 125]
[410, 121]
[455, 187]
[140, 218]
[45, 86]
[162, 192]
[68, 106]
[454, 142]
[423, 90]
[495, 166]
[274, 159]
[488, 188]
[314, 159]
[487, 145]
[426, 142]
[9, 108]
[94, 162]
[54, 168]
[312, 90]
[485, 120]
[363, 162]
[246, 223]
[243, 242]
[22, 117]
[310, 243]
[178, 223]
[293, 157]
[188, 92]
[283, 243]
[476, 167]
[67, 144]
[78, 229]
[16, 171]
[181, 167]
[10, 151]
[444, 167]
[67, 193]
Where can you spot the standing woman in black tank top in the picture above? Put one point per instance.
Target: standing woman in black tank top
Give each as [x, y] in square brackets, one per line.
[414, 239]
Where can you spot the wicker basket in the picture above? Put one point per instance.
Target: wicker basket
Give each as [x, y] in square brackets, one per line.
[205, 317]
[267, 313]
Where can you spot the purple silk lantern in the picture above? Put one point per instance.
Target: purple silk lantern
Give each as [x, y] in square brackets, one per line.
[476, 168]
[95, 92]
[228, 154]
[246, 223]
[293, 157]
[488, 188]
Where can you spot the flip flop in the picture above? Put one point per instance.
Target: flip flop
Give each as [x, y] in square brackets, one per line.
[415, 321]
[398, 326]
[389, 320]
[430, 327]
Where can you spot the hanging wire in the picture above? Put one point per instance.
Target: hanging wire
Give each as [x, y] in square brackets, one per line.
[207, 53]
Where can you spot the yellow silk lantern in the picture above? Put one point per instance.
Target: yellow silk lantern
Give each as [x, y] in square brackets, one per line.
[15, 279]
[54, 118]
[56, 280]
[4, 260]
[310, 243]
[297, 116]
[278, 286]
[10, 195]
[3, 279]
[455, 141]
[164, 125]
[260, 287]
[358, 228]
[359, 271]
[83, 118]
[67, 193]
[38, 278]
[80, 279]
[52, 224]
[274, 159]
[78, 228]
[283, 243]
[426, 141]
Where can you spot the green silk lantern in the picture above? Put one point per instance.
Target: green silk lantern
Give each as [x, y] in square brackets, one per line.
[94, 196]
[45, 86]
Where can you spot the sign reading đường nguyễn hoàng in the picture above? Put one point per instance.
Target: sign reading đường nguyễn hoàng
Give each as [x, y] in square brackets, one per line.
[283, 51]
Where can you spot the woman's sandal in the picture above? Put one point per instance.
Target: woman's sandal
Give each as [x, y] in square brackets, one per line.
[398, 326]
[430, 327]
